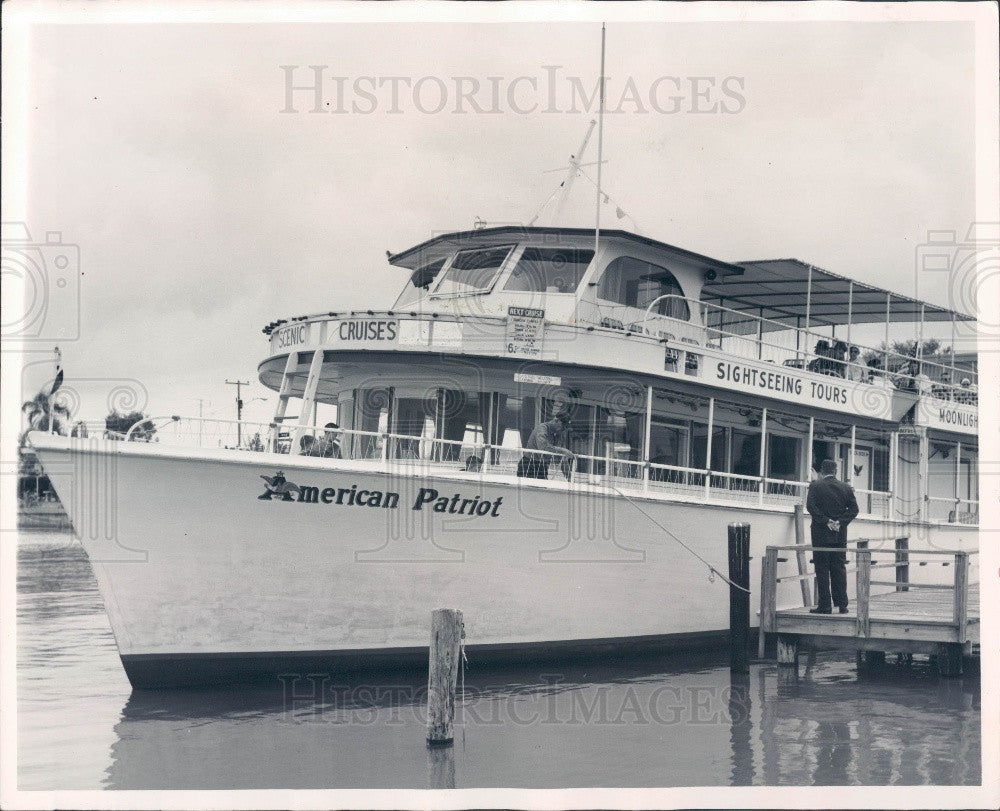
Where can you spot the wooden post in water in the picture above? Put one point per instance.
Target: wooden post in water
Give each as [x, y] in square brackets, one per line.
[739, 598]
[442, 675]
[768, 588]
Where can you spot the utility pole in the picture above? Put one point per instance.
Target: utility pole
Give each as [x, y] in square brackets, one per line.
[201, 423]
[239, 407]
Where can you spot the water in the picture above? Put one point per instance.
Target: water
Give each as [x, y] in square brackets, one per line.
[680, 722]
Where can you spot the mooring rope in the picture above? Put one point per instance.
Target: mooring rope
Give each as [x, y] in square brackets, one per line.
[711, 569]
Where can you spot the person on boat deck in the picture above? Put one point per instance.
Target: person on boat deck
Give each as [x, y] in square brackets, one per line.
[838, 354]
[833, 506]
[855, 371]
[822, 359]
[328, 446]
[551, 437]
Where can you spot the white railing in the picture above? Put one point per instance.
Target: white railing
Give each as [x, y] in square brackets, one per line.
[425, 454]
[953, 510]
[750, 336]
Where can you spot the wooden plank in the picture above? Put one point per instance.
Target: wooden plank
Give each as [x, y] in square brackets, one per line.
[960, 613]
[863, 589]
[768, 589]
[800, 557]
[927, 632]
[902, 563]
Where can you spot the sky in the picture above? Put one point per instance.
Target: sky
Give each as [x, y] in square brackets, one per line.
[202, 211]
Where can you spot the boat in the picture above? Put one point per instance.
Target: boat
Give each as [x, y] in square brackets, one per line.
[229, 550]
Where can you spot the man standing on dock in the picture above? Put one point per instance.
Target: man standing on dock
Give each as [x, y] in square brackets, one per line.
[832, 505]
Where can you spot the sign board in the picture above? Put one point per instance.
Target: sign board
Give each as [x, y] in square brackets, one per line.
[290, 337]
[861, 474]
[363, 331]
[540, 380]
[798, 386]
[525, 331]
[946, 415]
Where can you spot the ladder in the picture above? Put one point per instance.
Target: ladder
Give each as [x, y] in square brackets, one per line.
[307, 413]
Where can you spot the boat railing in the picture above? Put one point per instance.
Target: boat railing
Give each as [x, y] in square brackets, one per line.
[755, 337]
[955, 510]
[419, 453]
[734, 332]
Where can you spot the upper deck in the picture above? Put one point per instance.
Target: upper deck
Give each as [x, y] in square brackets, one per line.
[542, 298]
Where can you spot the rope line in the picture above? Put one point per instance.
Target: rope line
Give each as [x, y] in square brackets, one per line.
[711, 569]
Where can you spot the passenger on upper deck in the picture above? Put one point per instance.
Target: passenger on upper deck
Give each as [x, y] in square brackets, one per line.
[838, 354]
[855, 371]
[822, 360]
[913, 379]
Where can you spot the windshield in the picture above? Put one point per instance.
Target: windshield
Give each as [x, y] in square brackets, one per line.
[473, 271]
[549, 270]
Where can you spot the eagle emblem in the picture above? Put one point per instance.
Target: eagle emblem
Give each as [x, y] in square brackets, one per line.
[278, 486]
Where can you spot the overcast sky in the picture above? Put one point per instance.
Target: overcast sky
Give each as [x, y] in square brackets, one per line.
[202, 212]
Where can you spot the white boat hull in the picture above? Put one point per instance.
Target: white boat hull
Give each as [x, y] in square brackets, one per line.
[207, 580]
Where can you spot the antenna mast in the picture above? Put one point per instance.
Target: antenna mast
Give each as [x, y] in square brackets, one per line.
[600, 148]
[571, 175]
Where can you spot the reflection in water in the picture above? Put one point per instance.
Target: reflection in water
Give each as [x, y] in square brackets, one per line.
[654, 722]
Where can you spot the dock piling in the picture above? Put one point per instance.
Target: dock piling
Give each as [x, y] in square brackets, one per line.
[739, 598]
[442, 677]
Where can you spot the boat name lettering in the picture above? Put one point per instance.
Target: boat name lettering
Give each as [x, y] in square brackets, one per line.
[293, 335]
[952, 416]
[456, 505]
[278, 488]
[377, 329]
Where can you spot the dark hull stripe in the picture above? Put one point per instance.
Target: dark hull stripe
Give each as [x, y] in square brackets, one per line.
[156, 670]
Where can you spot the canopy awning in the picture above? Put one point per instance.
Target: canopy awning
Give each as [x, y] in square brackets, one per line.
[788, 290]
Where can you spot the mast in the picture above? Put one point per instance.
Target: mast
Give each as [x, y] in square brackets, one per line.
[571, 175]
[600, 146]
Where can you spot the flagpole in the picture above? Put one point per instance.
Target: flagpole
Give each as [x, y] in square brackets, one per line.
[600, 148]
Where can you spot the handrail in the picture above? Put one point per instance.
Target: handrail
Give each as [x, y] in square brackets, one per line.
[873, 550]
[899, 360]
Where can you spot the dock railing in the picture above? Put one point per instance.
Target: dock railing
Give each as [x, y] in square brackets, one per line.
[901, 559]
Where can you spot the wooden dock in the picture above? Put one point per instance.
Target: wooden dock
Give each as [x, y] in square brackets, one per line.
[937, 618]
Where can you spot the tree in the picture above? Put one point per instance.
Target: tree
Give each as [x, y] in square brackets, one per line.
[118, 424]
[907, 349]
[44, 412]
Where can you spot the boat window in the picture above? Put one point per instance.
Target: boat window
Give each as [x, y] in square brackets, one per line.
[549, 270]
[420, 282]
[516, 419]
[636, 283]
[473, 271]
[459, 419]
[746, 452]
[668, 443]
[782, 457]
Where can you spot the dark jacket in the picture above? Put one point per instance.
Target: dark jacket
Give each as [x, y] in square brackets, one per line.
[549, 436]
[831, 499]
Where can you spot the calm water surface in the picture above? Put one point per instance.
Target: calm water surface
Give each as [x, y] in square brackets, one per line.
[657, 722]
